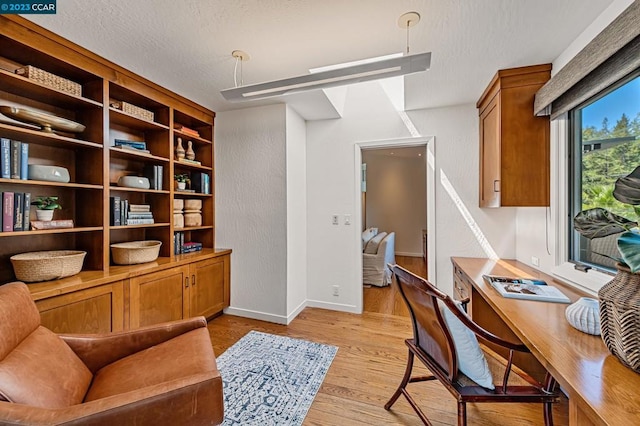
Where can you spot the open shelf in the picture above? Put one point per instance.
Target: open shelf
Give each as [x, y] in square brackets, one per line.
[45, 183]
[50, 231]
[32, 135]
[124, 153]
[124, 119]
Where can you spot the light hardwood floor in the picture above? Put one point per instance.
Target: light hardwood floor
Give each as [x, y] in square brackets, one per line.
[368, 367]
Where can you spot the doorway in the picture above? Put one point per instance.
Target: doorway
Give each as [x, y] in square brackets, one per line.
[418, 145]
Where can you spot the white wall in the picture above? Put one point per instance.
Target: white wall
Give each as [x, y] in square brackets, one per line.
[397, 197]
[296, 163]
[251, 208]
[539, 230]
[369, 115]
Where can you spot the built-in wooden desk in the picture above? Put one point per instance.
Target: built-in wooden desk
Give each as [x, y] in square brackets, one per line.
[601, 390]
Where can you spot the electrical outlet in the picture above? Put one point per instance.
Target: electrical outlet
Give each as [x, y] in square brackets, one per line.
[336, 290]
[335, 219]
[535, 261]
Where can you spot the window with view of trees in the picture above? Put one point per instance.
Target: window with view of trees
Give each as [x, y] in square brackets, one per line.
[606, 146]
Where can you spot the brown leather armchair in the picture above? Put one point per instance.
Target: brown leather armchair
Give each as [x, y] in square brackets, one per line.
[162, 374]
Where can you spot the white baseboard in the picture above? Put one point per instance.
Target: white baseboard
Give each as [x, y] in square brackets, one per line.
[333, 306]
[296, 311]
[408, 254]
[257, 315]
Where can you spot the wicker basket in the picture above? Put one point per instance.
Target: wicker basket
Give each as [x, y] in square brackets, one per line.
[131, 109]
[620, 317]
[135, 252]
[47, 265]
[51, 80]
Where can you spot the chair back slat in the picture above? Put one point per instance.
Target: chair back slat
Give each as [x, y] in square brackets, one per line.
[430, 332]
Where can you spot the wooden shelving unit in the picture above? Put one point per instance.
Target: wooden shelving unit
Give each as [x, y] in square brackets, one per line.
[95, 165]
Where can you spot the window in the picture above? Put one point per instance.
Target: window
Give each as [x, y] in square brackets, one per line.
[605, 135]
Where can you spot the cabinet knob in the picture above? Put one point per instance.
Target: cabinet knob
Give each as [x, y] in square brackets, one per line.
[193, 280]
[186, 282]
[496, 185]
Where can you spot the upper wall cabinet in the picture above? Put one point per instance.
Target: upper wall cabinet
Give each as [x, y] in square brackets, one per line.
[514, 143]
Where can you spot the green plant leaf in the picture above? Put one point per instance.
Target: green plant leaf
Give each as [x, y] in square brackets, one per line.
[629, 247]
[598, 223]
[627, 189]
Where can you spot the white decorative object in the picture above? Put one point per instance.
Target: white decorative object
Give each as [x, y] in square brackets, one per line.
[44, 215]
[584, 315]
[134, 182]
[48, 173]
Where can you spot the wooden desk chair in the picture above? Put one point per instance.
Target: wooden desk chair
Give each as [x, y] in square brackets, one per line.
[435, 336]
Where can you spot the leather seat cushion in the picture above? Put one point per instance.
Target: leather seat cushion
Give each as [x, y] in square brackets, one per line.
[183, 356]
[43, 371]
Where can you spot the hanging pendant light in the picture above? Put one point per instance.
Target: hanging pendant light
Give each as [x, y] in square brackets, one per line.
[374, 70]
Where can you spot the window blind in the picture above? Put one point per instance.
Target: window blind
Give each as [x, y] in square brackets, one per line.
[610, 56]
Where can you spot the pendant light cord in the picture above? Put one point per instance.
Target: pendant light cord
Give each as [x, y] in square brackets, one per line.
[235, 72]
[408, 37]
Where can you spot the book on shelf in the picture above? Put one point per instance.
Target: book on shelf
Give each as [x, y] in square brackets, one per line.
[139, 215]
[526, 289]
[51, 224]
[184, 129]
[5, 158]
[18, 211]
[200, 182]
[114, 207]
[16, 150]
[154, 173]
[133, 144]
[133, 149]
[24, 161]
[184, 160]
[26, 202]
[139, 208]
[146, 221]
[191, 246]
[7, 212]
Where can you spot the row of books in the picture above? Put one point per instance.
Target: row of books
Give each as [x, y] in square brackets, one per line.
[123, 213]
[16, 208]
[186, 130]
[14, 157]
[154, 173]
[201, 182]
[182, 247]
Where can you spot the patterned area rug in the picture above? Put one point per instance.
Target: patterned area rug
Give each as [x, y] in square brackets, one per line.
[272, 380]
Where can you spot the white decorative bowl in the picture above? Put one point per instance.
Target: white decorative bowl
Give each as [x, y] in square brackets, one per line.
[134, 182]
[584, 315]
[48, 173]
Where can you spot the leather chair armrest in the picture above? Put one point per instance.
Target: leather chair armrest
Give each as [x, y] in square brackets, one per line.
[191, 400]
[98, 350]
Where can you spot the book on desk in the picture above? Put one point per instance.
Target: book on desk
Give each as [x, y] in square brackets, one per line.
[526, 289]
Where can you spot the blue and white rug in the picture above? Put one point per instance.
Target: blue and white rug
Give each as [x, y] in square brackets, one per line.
[271, 380]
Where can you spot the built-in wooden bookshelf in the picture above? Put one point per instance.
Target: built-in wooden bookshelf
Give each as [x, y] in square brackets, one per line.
[93, 162]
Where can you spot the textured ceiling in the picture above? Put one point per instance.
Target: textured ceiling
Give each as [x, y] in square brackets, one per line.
[186, 45]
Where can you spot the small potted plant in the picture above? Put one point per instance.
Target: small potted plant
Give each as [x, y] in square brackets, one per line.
[45, 206]
[182, 180]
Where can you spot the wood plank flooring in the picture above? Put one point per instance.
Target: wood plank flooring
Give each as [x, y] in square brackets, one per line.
[368, 367]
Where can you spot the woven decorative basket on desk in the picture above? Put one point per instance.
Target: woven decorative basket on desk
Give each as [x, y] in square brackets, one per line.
[47, 265]
[620, 316]
[135, 252]
[51, 80]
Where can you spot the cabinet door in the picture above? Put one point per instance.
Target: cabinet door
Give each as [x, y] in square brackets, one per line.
[490, 155]
[93, 310]
[210, 286]
[159, 297]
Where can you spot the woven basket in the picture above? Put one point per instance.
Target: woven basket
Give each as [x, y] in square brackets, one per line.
[620, 317]
[131, 109]
[47, 265]
[135, 252]
[51, 80]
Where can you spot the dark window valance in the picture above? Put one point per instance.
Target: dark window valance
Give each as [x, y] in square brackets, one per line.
[610, 56]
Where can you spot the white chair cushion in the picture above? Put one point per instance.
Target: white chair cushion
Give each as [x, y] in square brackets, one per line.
[471, 359]
[367, 235]
[372, 245]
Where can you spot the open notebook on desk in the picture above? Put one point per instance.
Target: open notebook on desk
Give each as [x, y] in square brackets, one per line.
[526, 289]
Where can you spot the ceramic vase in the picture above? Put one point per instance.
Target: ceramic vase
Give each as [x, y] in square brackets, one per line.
[190, 154]
[44, 215]
[180, 153]
[584, 315]
[620, 316]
